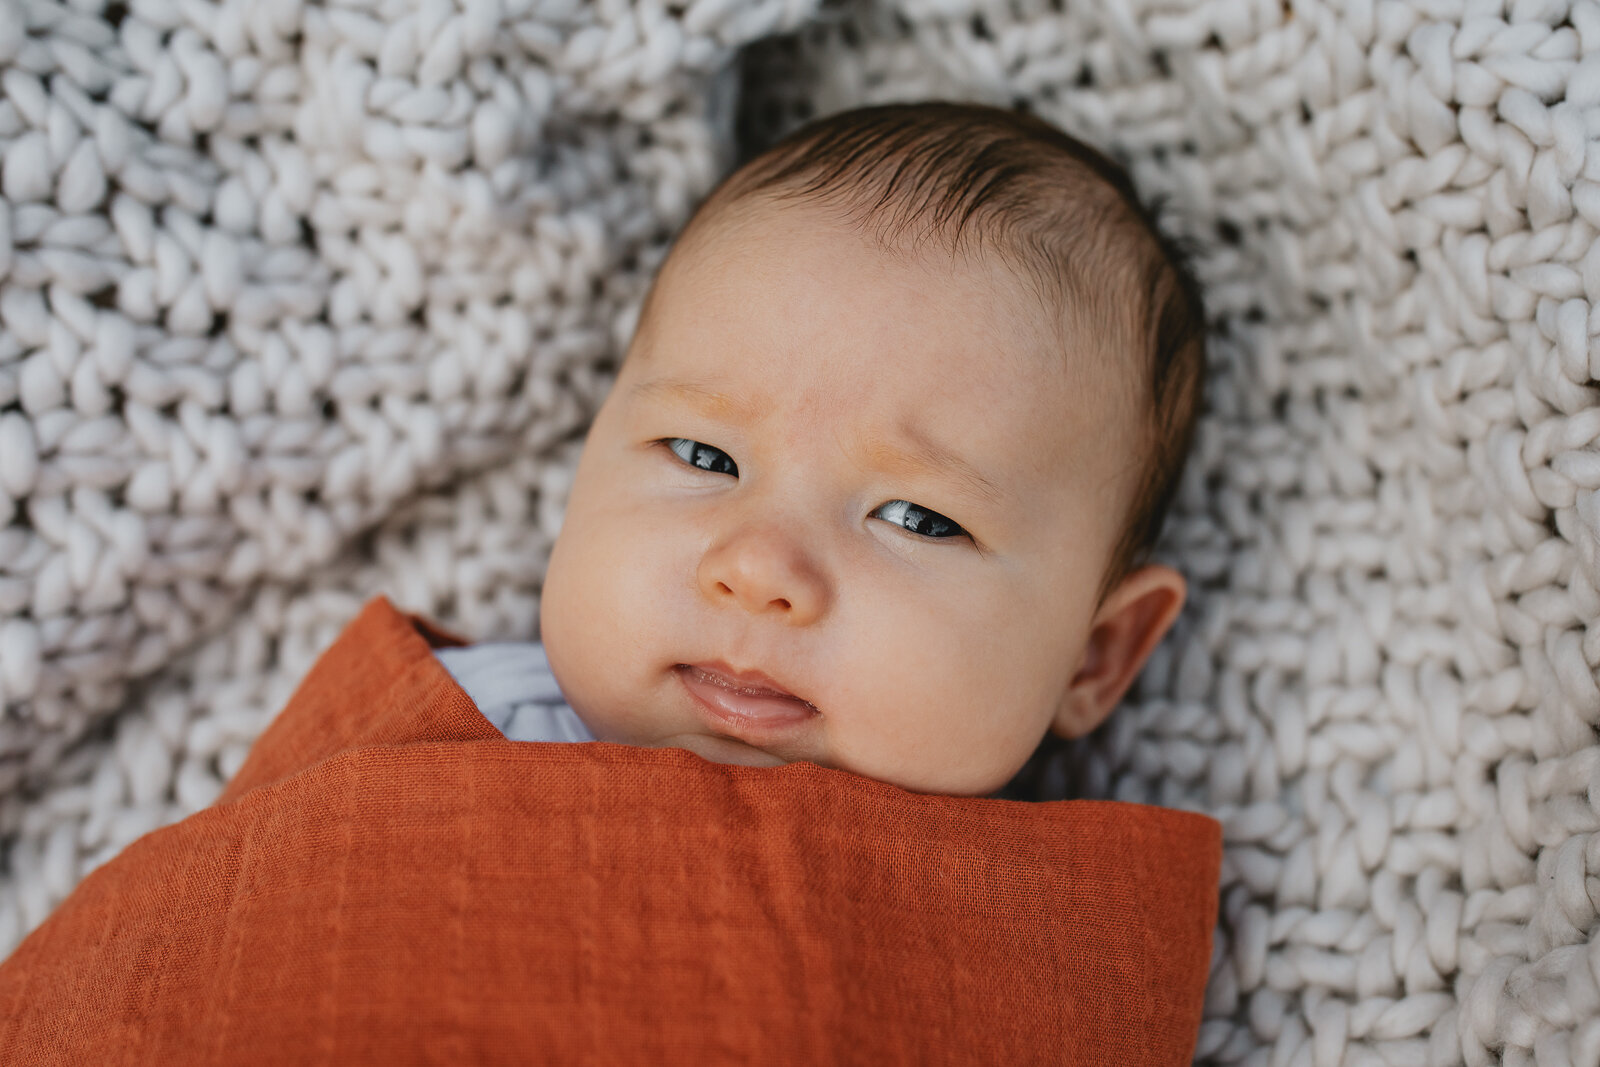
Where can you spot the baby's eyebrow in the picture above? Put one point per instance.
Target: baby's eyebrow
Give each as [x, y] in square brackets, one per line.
[706, 398]
[921, 454]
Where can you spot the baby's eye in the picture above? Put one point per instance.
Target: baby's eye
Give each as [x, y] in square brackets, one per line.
[920, 520]
[702, 456]
[917, 520]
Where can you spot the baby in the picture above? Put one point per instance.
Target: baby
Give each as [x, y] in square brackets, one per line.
[878, 478]
[874, 489]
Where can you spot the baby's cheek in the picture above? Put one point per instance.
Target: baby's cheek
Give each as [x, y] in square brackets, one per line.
[574, 613]
[949, 709]
[603, 625]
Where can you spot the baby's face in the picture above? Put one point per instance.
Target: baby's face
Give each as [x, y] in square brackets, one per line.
[871, 480]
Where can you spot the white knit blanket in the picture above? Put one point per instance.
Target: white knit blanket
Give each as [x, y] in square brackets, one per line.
[303, 302]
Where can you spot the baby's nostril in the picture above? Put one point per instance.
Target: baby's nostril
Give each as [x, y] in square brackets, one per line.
[782, 602]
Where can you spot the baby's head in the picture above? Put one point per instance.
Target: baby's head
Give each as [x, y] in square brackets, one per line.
[896, 431]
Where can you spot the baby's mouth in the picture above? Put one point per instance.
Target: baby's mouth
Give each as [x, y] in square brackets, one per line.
[744, 698]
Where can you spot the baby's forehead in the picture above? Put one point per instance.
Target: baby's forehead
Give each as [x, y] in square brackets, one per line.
[723, 236]
[946, 354]
[720, 253]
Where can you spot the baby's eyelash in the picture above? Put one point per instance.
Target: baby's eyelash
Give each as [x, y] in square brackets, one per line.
[921, 516]
[700, 456]
[688, 455]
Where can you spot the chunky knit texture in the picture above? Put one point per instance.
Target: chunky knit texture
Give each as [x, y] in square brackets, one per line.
[302, 303]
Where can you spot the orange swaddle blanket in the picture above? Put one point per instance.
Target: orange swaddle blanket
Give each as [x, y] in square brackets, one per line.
[388, 880]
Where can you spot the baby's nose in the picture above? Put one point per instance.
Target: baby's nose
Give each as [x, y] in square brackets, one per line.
[762, 570]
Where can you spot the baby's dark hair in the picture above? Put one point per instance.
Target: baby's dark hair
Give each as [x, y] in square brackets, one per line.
[1058, 211]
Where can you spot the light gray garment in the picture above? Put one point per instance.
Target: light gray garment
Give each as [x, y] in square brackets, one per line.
[511, 683]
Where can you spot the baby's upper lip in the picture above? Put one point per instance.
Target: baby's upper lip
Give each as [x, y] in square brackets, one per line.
[748, 679]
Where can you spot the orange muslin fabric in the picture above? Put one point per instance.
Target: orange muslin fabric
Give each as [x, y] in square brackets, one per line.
[389, 881]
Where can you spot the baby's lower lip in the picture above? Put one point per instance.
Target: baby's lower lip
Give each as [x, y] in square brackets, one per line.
[741, 708]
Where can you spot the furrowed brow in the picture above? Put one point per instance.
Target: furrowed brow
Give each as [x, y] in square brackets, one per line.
[919, 454]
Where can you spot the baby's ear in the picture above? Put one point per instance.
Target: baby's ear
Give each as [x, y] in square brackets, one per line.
[1126, 629]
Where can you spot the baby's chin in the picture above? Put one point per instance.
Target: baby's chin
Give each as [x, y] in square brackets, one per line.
[720, 750]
